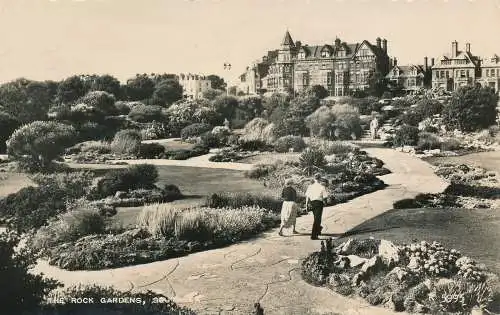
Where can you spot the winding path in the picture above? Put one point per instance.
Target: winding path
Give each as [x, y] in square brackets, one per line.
[267, 269]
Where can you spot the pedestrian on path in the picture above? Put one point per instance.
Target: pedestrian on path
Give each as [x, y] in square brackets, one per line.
[316, 195]
[289, 207]
[374, 127]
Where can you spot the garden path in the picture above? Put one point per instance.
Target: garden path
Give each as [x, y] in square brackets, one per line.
[267, 269]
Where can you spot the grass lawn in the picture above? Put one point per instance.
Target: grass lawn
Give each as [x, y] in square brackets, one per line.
[474, 232]
[487, 160]
[270, 157]
[196, 183]
[13, 182]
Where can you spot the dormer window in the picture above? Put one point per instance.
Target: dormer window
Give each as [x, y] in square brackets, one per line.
[341, 53]
[302, 55]
[325, 54]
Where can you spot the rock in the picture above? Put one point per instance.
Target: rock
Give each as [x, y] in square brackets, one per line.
[342, 262]
[358, 279]
[356, 260]
[373, 265]
[414, 263]
[399, 272]
[121, 194]
[388, 252]
[346, 247]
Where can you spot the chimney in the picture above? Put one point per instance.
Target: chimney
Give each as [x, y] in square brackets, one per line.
[379, 42]
[432, 62]
[454, 49]
[426, 63]
[298, 44]
[467, 47]
[337, 42]
[395, 61]
[384, 45]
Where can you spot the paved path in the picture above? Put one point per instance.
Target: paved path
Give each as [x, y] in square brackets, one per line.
[267, 269]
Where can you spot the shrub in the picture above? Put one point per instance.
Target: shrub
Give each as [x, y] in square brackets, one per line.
[126, 142]
[134, 177]
[171, 192]
[74, 184]
[154, 130]
[406, 135]
[260, 170]
[97, 147]
[237, 200]
[146, 113]
[149, 302]
[25, 290]
[226, 156]
[333, 147]
[428, 141]
[284, 144]
[258, 129]
[450, 144]
[312, 160]
[254, 145]
[462, 296]
[82, 220]
[195, 130]
[184, 154]
[7, 126]
[320, 122]
[347, 125]
[151, 150]
[471, 108]
[35, 145]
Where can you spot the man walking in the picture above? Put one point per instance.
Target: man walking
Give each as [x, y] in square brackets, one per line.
[316, 195]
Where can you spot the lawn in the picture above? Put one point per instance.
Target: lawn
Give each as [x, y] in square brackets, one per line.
[474, 232]
[487, 160]
[12, 182]
[197, 183]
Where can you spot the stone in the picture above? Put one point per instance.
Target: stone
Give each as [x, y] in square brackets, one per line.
[342, 262]
[414, 263]
[358, 279]
[121, 194]
[388, 252]
[399, 272]
[356, 260]
[347, 246]
[373, 265]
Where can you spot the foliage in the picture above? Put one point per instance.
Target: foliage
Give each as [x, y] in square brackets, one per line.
[186, 112]
[347, 124]
[167, 92]
[154, 130]
[126, 142]
[462, 296]
[312, 160]
[284, 144]
[212, 94]
[184, 154]
[35, 145]
[195, 130]
[98, 147]
[102, 102]
[71, 89]
[139, 88]
[377, 84]
[318, 91]
[225, 106]
[133, 177]
[151, 150]
[251, 106]
[428, 141]
[106, 83]
[217, 82]
[226, 156]
[471, 108]
[333, 147]
[260, 170]
[26, 291]
[406, 135]
[254, 145]
[258, 129]
[146, 113]
[237, 200]
[320, 123]
[7, 126]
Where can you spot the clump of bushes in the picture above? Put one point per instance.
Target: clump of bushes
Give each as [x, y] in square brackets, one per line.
[254, 145]
[96, 147]
[195, 130]
[184, 154]
[126, 142]
[151, 150]
[237, 200]
[312, 160]
[428, 141]
[146, 113]
[333, 147]
[406, 135]
[226, 156]
[260, 170]
[287, 143]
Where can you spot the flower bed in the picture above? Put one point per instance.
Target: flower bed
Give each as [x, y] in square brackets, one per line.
[420, 277]
[165, 233]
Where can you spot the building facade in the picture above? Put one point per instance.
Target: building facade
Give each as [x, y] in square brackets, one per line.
[490, 73]
[411, 78]
[339, 67]
[193, 85]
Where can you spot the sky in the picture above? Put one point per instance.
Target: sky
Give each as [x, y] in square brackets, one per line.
[54, 39]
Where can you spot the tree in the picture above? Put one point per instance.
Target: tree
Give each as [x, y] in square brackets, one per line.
[212, 94]
[377, 84]
[233, 90]
[146, 113]
[320, 122]
[318, 91]
[471, 108]
[107, 83]
[226, 105]
[251, 105]
[140, 88]
[167, 92]
[35, 145]
[103, 102]
[7, 126]
[71, 89]
[217, 83]
[25, 100]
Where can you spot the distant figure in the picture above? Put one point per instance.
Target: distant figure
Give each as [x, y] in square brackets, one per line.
[374, 128]
[289, 207]
[227, 124]
[316, 195]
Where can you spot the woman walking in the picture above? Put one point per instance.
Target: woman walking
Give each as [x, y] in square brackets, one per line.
[289, 208]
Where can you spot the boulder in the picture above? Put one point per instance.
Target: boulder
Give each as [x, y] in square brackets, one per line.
[388, 252]
[373, 265]
[121, 194]
[356, 260]
[414, 263]
[346, 247]
[342, 262]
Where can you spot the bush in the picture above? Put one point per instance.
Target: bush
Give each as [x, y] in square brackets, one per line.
[149, 303]
[97, 147]
[333, 147]
[184, 154]
[154, 130]
[82, 220]
[259, 171]
[450, 144]
[195, 130]
[146, 113]
[258, 129]
[254, 145]
[7, 126]
[428, 141]
[226, 156]
[347, 125]
[74, 184]
[26, 291]
[284, 144]
[471, 108]
[406, 135]
[126, 142]
[171, 192]
[151, 150]
[35, 145]
[312, 161]
[237, 200]
[134, 177]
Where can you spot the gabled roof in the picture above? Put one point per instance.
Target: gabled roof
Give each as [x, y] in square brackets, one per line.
[405, 70]
[287, 40]
[493, 61]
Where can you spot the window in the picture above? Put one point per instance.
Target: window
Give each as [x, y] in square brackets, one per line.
[302, 55]
[325, 53]
[329, 78]
[492, 72]
[468, 73]
[447, 74]
[305, 79]
[442, 74]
